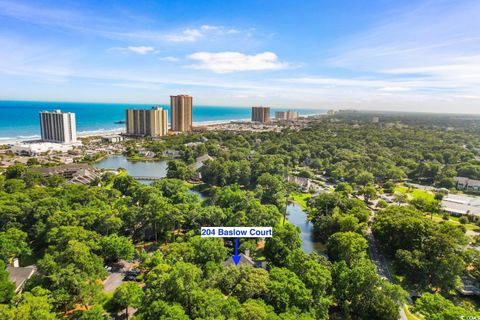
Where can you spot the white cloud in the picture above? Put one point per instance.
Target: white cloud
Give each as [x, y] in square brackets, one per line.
[86, 22]
[169, 59]
[229, 61]
[38, 14]
[435, 45]
[187, 35]
[141, 49]
[194, 34]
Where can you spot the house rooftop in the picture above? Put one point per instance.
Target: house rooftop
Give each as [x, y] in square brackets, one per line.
[19, 275]
[244, 261]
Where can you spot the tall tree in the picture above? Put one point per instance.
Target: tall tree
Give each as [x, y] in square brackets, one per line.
[13, 244]
[347, 246]
[128, 294]
[7, 288]
[115, 247]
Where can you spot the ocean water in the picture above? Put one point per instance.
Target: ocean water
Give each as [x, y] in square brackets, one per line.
[20, 119]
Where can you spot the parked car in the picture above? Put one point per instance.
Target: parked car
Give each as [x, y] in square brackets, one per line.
[134, 272]
[129, 277]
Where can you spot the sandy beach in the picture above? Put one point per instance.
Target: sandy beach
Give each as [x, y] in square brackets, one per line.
[96, 133]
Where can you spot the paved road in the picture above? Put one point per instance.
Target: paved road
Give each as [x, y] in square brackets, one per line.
[115, 278]
[377, 257]
[382, 267]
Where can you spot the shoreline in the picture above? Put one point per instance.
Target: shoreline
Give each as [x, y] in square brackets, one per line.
[114, 131]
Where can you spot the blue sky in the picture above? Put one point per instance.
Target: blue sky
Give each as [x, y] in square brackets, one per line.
[378, 55]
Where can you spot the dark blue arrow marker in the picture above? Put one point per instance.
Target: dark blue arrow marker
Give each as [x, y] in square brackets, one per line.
[236, 257]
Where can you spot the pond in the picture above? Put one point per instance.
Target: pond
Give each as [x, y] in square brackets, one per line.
[298, 217]
[135, 168]
[198, 193]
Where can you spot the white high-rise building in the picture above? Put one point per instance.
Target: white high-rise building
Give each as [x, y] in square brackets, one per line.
[57, 126]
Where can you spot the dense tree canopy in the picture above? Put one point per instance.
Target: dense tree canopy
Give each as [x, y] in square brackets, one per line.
[425, 252]
[73, 231]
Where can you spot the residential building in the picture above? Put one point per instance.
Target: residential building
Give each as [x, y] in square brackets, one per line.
[286, 115]
[200, 161]
[58, 126]
[461, 204]
[74, 173]
[38, 148]
[181, 113]
[147, 122]
[261, 114]
[19, 275]
[171, 153]
[468, 184]
[245, 261]
[375, 119]
[113, 138]
[303, 183]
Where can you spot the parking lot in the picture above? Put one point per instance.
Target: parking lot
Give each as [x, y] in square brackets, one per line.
[117, 274]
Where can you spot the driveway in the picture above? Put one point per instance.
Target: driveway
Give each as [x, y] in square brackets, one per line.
[115, 278]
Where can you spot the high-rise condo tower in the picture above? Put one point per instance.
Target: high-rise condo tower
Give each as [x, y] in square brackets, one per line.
[181, 113]
[57, 126]
[147, 122]
[261, 114]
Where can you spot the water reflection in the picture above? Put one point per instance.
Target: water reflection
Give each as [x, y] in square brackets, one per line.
[201, 196]
[298, 217]
[135, 168]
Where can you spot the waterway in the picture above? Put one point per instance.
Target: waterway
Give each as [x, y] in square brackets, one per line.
[135, 168]
[298, 217]
[197, 193]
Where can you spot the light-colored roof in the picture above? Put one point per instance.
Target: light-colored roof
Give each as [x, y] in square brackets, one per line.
[19, 275]
[63, 168]
[461, 204]
[244, 260]
[200, 160]
[468, 181]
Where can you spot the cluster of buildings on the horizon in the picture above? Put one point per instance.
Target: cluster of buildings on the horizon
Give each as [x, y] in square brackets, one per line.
[59, 134]
[154, 122]
[262, 114]
[60, 127]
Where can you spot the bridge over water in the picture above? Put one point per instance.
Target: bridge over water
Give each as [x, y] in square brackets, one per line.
[146, 178]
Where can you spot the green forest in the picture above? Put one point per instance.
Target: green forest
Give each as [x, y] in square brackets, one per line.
[73, 233]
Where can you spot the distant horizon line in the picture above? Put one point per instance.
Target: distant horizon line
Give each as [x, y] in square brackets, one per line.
[250, 106]
[165, 104]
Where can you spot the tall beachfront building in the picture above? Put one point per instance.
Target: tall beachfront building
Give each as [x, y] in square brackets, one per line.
[181, 113]
[286, 115]
[261, 114]
[146, 122]
[57, 126]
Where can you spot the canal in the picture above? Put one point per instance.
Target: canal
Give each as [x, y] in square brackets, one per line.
[296, 215]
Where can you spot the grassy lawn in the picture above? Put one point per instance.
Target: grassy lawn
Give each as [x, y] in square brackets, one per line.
[454, 221]
[415, 193]
[301, 198]
[409, 314]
